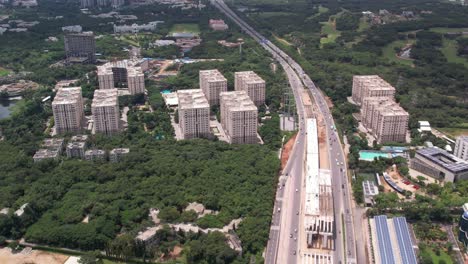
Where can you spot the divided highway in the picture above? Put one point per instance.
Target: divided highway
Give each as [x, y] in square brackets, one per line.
[282, 245]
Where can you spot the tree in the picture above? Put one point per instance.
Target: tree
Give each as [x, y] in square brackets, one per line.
[90, 258]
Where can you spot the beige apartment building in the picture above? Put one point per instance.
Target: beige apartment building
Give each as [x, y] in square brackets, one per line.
[370, 86]
[194, 114]
[212, 83]
[105, 110]
[385, 118]
[67, 108]
[122, 74]
[253, 84]
[239, 117]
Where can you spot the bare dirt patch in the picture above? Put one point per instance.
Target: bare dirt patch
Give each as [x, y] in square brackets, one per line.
[287, 150]
[35, 256]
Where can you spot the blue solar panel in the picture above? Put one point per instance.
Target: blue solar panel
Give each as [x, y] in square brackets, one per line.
[404, 240]
[383, 238]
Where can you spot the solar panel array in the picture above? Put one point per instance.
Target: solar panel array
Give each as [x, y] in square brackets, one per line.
[404, 240]
[455, 165]
[384, 241]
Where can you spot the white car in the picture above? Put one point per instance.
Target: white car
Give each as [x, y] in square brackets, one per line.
[297, 190]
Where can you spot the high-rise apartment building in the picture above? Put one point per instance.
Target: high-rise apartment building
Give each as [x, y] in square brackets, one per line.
[80, 47]
[212, 83]
[87, 3]
[385, 118]
[250, 82]
[67, 108]
[194, 114]
[461, 147]
[105, 110]
[117, 3]
[239, 117]
[370, 86]
[122, 73]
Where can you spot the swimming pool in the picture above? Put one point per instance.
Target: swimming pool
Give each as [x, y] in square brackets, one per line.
[166, 92]
[370, 155]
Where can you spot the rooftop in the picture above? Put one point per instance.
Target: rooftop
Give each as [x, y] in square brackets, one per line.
[68, 95]
[52, 143]
[46, 154]
[105, 97]
[374, 82]
[249, 77]
[131, 65]
[79, 138]
[237, 101]
[213, 75]
[74, 145]
[444, 159]
[386, 106]
[192, 98]
[94, 152]
[369, 188]
[120, 151]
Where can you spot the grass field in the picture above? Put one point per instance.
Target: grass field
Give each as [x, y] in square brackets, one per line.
[449, 49]
[448, 30]
[274, 14]
[363, 24]
[390, 54]
[435, 259]
[329, 29]
[186, 28]
[4, 72]
[454, 131]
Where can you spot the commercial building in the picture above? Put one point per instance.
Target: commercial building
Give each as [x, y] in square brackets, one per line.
[194, 114]
[239, 117]
[74, 28]
[370, 86]
[318, 210]
[117, 154]
[80, 47]
[250, 82]
[95, 155]
[105, 111]
[125, 73]
[76, 150]
[440, 165]
[218, 24]
[463, 229]
[392, 241]
[135, 28]
[212, 83]
[385, 119]
[67, 108]
[461, 147]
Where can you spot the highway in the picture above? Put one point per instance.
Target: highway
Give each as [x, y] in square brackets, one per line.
[282, 245]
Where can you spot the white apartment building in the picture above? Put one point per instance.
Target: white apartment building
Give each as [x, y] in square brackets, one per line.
[370, 86]
[122, 73]
[76, 149]
[117, 154]
[253, 84]
[67, 108]
[461, 147]
[135, 28]
[105, 110]
[194, 113]
[239, 117]
[212, 83]
[385, 119]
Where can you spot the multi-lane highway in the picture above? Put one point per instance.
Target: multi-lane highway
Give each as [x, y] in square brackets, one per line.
[283, 246]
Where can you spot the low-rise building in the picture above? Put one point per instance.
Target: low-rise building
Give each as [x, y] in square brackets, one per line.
[369, 191]
[135, 28]
[218, 24]
[117, 154]
[53, 144]
[43, 154]
[76, 150]
[440, 165]
[194, 114]
[95, 155]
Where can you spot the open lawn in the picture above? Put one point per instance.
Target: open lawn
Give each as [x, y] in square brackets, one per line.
[436, 259]
[449, 49]
[274, 14]
[363, 24]
[329, 29]
[4, 72]
[390, 54]
[454, 131]
[186, 28]
[448, 30]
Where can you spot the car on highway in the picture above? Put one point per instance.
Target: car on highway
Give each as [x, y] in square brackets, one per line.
[294, 252]
[297, 212]
[295, 230]
[297, 190]
[290, 235]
